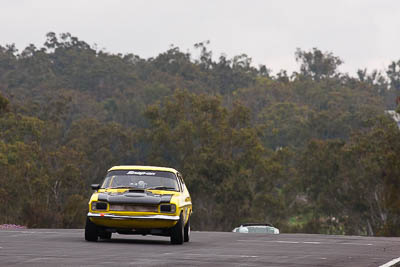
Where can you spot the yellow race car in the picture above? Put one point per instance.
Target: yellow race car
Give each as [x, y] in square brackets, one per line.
[140, 200]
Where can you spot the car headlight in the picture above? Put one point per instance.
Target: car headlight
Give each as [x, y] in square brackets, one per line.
[170, 208]
[99, 205]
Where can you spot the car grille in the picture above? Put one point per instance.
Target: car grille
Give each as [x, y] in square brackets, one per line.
[137, 208]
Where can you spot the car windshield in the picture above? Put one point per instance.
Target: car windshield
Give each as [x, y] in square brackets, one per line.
[260, 229]
[141, 180]
[255, 229]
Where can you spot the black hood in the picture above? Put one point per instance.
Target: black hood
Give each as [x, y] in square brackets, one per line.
[134, 197]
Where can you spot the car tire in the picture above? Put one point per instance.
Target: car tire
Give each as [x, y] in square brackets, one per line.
[177, 232]
[186, 233]
[105, 235]
[91, 232]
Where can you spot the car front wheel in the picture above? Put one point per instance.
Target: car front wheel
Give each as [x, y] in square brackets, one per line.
[177, 232]
[91, 232]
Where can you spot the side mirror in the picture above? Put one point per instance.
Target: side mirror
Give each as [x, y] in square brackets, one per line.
[95, 186]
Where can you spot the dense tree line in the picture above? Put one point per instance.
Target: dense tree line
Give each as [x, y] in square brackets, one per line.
[311, 151]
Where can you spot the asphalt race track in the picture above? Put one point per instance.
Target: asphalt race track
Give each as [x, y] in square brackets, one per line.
[62, 247]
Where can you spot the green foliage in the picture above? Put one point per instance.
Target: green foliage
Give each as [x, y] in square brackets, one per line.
[309, 151]
[195, 134]
[317, 65]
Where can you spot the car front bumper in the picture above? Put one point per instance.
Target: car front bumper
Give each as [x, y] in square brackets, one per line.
[126, 217]
[119, 221]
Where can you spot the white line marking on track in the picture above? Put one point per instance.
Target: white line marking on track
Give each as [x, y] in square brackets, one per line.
[391, 263]
[358, 244]
[268, 241]
[305, 242]
[30, 232]
[222, 255]
[38, 259]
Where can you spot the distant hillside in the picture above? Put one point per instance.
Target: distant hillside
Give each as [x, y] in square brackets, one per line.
[311, 151]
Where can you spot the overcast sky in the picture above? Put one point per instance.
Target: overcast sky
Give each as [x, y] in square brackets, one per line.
[364, 33]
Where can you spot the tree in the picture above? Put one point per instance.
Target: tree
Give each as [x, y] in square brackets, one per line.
[217, 149]
[3, 104]
[317, 64]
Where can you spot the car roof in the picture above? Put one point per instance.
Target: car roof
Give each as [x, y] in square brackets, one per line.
[142, 168]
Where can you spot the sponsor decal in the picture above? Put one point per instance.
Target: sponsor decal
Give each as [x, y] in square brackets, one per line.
[141, 173]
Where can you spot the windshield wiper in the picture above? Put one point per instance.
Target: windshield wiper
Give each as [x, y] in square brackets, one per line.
[161, 188]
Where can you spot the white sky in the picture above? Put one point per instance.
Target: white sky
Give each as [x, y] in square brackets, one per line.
[364, 33]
